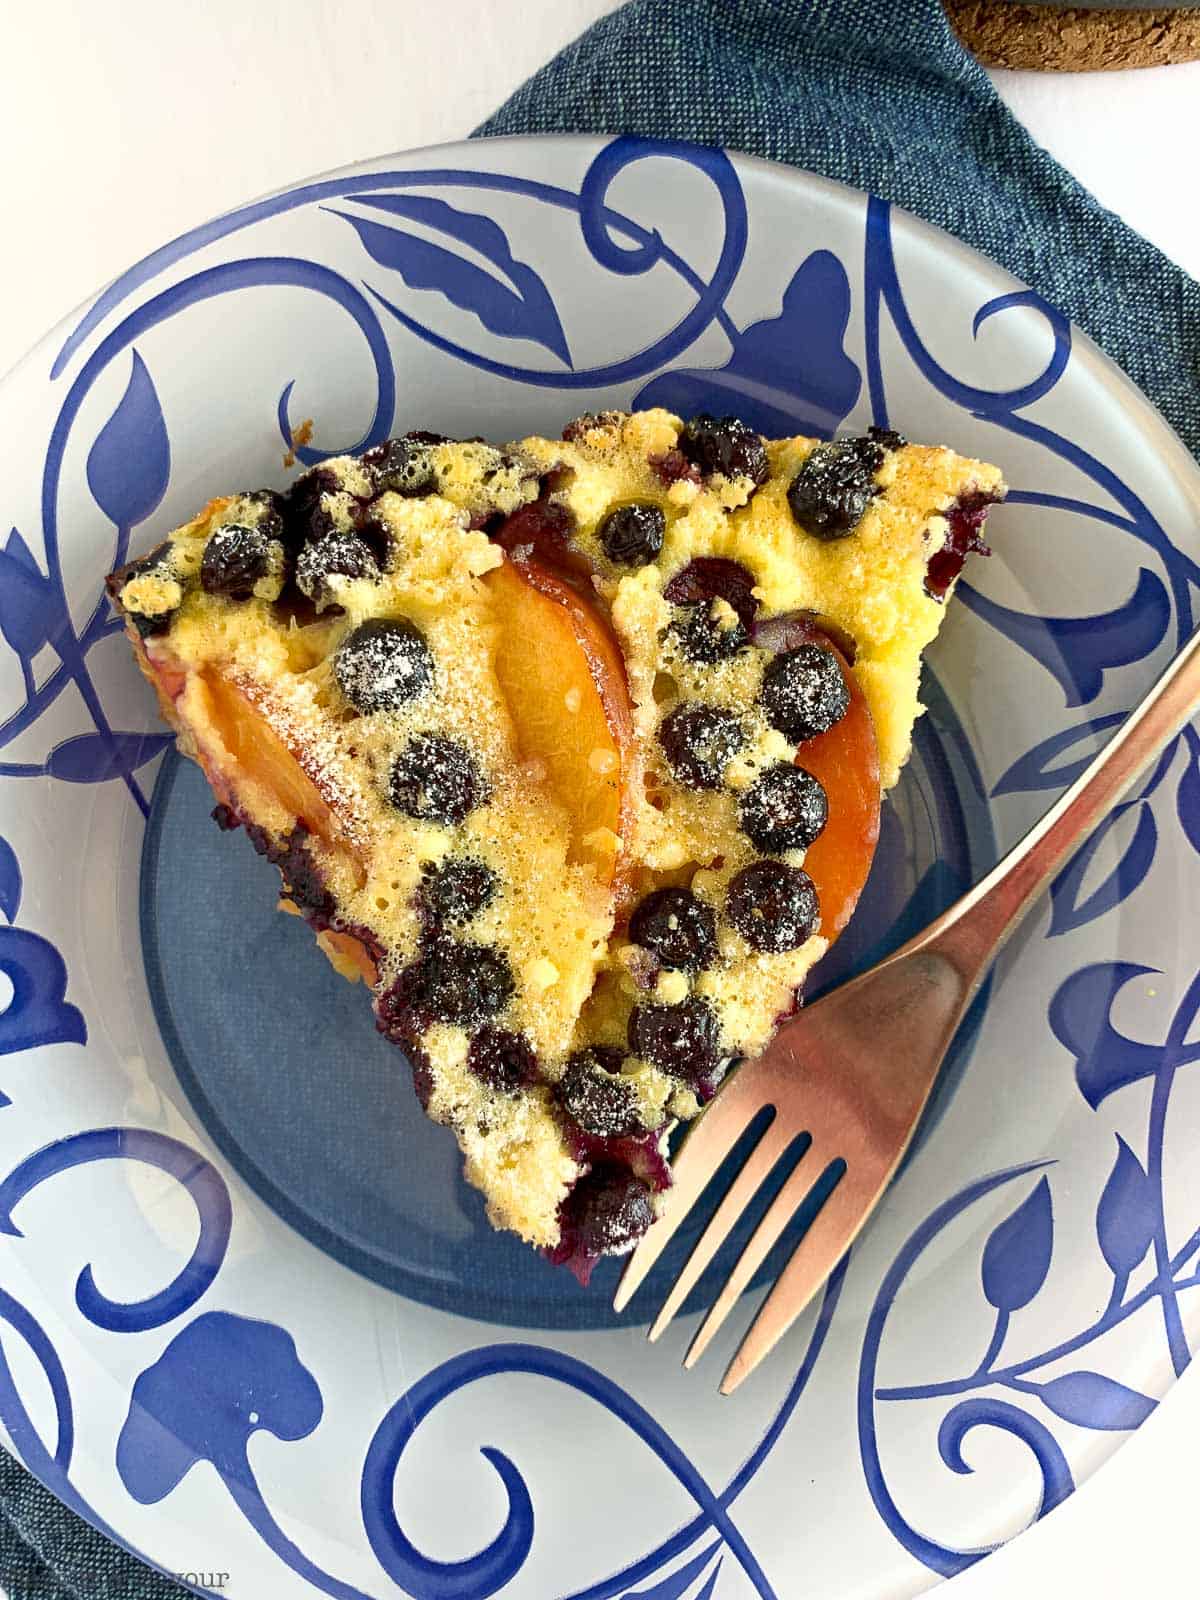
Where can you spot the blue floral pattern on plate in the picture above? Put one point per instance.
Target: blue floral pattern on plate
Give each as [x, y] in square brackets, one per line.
[481, 281]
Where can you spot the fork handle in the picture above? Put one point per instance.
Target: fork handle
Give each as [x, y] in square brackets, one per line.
[970, 933]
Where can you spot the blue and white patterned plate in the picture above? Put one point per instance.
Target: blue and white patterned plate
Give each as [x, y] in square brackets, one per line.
[251, 1323]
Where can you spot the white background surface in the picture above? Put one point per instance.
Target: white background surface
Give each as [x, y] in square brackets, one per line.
[123, 124]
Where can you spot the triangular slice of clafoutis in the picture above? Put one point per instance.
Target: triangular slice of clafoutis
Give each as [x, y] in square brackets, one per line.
[572, 750]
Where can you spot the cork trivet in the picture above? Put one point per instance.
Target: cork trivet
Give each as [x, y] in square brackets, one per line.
[1005, 34]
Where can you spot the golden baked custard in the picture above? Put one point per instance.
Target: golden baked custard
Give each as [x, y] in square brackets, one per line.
[572, 750]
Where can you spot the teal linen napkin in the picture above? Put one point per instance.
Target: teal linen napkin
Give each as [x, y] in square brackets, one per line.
[884, 98]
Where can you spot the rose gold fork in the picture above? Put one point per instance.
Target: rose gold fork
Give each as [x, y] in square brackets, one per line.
[854, 1071]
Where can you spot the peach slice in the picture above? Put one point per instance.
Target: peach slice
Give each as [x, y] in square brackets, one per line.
[348, 956]
[846, 761]
[260, 755]
[257, 753]
[563, 678]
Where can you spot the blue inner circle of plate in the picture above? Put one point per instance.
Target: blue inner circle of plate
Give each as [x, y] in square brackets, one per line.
[280, 1061]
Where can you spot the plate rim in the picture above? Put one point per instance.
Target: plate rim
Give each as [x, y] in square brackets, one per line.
[1100, 365]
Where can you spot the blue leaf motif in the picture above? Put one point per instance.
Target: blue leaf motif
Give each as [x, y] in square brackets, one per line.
[22, 554]
[787, 375]
[29, 613]
[218, 1380]
[488, 238]
[96, 757]
[709, 1588]
[525, 311]
[1079, 1017]
[1077, 650]
[676, 1585]
[1187, 800]
[10, 881]
[129, 465]
[1016, 1257]
[38, 1012]
[1033, 770]
[1091, 1400]
[1125, 1217]
[1067, 911]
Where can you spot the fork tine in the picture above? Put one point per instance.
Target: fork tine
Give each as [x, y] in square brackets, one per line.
[832, 1232]
[709, 1140]
[780, 1212]
[768, 1149]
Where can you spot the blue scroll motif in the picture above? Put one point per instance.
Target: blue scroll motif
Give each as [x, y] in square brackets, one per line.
[197, 1175]
[1017, 1263]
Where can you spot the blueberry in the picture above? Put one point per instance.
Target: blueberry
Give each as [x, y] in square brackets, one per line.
[784, 809]
[887, 438]
[237, 557]
[150, 627]
[265, 844]
[459, 983]
[832, 490]
[545, 525]
[703, 636]
[680, 1039]
[699, 742]
[608, 1210]
[436, 779]
[416, 436]
[305, 515]
[590, 420]
[377, 536]
[456, 890]
[724, 445]
[964, 536]
[707, 638]
[804, 692]
[712, 578]
[270, 519]
[773, 906]
[504, 1061]
[673, 466]
[632, 535]
[677, 927]
[158, 562]
[597, 1097]
[303, 878]
[337, 555]
[402, 465]
[303, 881]
[383, 665]
[422, 1074]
